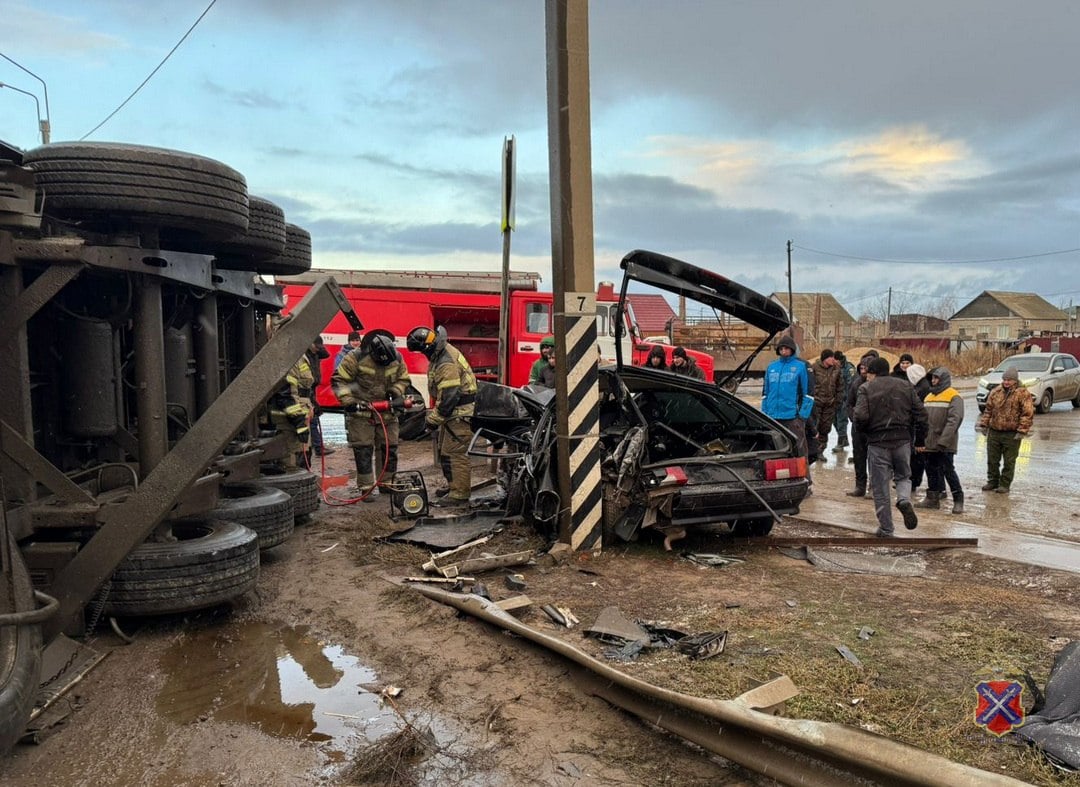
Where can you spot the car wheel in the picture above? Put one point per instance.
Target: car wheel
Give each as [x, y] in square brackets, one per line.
[1076, 400]
[295, 257]
[302, 486]
[982, 408]
[211, 562]
[20, 654]
[266, 510]
[752, 528]
[264, 239]
[515, 492]
[107, 186]
[1046, 402]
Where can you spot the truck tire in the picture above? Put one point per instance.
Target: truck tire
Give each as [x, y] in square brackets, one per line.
[301, 485]
[211, 562]
[264, 239]
[752, 528]
[20, 654]
[108, 186]
[266, 510]
[295, 257]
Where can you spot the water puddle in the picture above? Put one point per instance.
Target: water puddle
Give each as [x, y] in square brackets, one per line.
[283, 681]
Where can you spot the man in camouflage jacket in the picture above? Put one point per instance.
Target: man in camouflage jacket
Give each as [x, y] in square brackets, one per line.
[1007, 419]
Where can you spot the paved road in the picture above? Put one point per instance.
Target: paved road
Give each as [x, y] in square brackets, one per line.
[1038, 522]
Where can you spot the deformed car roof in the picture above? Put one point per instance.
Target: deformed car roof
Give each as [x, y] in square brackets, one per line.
[711, 289]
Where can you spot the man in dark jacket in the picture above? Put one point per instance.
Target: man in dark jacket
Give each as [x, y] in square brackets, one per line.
[858, 438]
[682, 364]
[888, 411]
[847, 376]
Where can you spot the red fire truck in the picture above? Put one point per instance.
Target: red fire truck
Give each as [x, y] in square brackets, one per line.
[467, 305]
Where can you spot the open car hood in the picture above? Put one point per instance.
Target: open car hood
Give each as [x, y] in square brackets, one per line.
[705, 287]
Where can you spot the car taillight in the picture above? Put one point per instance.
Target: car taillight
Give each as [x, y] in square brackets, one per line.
[668, 476]
[781, 469]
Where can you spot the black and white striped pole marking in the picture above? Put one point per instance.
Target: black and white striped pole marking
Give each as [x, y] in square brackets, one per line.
[577, 411]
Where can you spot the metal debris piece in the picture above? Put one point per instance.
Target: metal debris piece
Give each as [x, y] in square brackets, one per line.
[515, 581]
[628, 652]
[614, 628]
[555, 615]
[850, 657]
[661, 636]
[568, 616]
[480, 589]
[866, 632]
[792, 603]
[711, 560]
[703, 646]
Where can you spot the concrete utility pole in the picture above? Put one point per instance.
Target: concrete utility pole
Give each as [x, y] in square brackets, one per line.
[573, 277]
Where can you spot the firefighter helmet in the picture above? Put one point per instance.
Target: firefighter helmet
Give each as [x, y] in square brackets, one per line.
[383, 350]
[422, 339]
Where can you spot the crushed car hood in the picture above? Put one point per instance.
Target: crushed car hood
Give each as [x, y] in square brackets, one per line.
[705, 287]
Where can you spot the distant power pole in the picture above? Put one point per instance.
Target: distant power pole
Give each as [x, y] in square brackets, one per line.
[888, 312]
[790, 297]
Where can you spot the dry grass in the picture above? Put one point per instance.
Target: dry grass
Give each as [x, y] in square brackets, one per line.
[391, 760]
[969, 363]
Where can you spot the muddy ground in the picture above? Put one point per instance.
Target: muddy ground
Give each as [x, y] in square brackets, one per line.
[505, 712]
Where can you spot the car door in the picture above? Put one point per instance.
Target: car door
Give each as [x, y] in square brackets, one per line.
[1071, 385]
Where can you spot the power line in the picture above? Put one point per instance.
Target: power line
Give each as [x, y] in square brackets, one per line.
[148, 78]
[935, 262]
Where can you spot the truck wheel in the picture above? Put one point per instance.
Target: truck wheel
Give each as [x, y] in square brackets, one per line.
[108, 186]
[302, 486]
[1046, 402]
[752, 528]
[266, 510]
[264, 239]
[295, 257]
[210, 563]
[20, 653]
[412, 425]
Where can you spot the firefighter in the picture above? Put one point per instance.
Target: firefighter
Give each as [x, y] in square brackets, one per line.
[372, 373]
[453, 384]
[290, 411]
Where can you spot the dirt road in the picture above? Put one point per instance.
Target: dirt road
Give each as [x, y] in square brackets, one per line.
[283, 687]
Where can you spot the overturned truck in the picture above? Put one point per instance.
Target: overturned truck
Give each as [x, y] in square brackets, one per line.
[137, 473]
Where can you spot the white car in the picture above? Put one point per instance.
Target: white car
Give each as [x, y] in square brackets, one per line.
[1051, 377]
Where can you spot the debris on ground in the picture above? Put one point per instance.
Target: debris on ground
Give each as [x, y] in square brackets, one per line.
[859, 562]
[703, 646]
[866, 632]
[710, 560]
[1055, 727]
[850, 657]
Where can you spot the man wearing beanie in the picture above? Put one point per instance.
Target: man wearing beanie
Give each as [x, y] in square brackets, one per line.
[944, 414]
[786, 383]
[682, 364]
[888, 411]
[916, 375]
[828, 393]
[1007, 419]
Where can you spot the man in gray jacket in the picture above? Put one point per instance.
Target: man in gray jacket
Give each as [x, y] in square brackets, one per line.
[888, 412]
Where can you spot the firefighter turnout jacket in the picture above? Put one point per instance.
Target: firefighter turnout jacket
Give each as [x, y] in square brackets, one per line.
[358, 380]
[452, 382]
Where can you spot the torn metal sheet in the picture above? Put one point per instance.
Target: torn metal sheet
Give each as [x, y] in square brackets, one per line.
[613, 627]
[860, 562]
[628, 652]
[866, 632]
[850, 657]
[448, 532]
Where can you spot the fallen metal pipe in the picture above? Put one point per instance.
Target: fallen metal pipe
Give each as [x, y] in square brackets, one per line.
[855, 752]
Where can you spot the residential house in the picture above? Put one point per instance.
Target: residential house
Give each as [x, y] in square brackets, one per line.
[820, 316]
[1004, 317]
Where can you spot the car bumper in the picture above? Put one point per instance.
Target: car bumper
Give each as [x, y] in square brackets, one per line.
[708, 503]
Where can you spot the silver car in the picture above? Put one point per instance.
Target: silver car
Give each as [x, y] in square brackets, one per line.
[1051, 377]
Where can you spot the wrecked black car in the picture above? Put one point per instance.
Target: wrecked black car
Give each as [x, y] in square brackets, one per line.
[677, 453]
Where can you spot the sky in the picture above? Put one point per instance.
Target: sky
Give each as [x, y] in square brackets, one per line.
[896, 145]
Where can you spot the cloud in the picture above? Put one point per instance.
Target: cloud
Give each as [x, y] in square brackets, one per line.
[249, 99]
[30, 34]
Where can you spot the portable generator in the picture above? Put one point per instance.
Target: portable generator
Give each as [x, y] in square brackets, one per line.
[408, 495]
